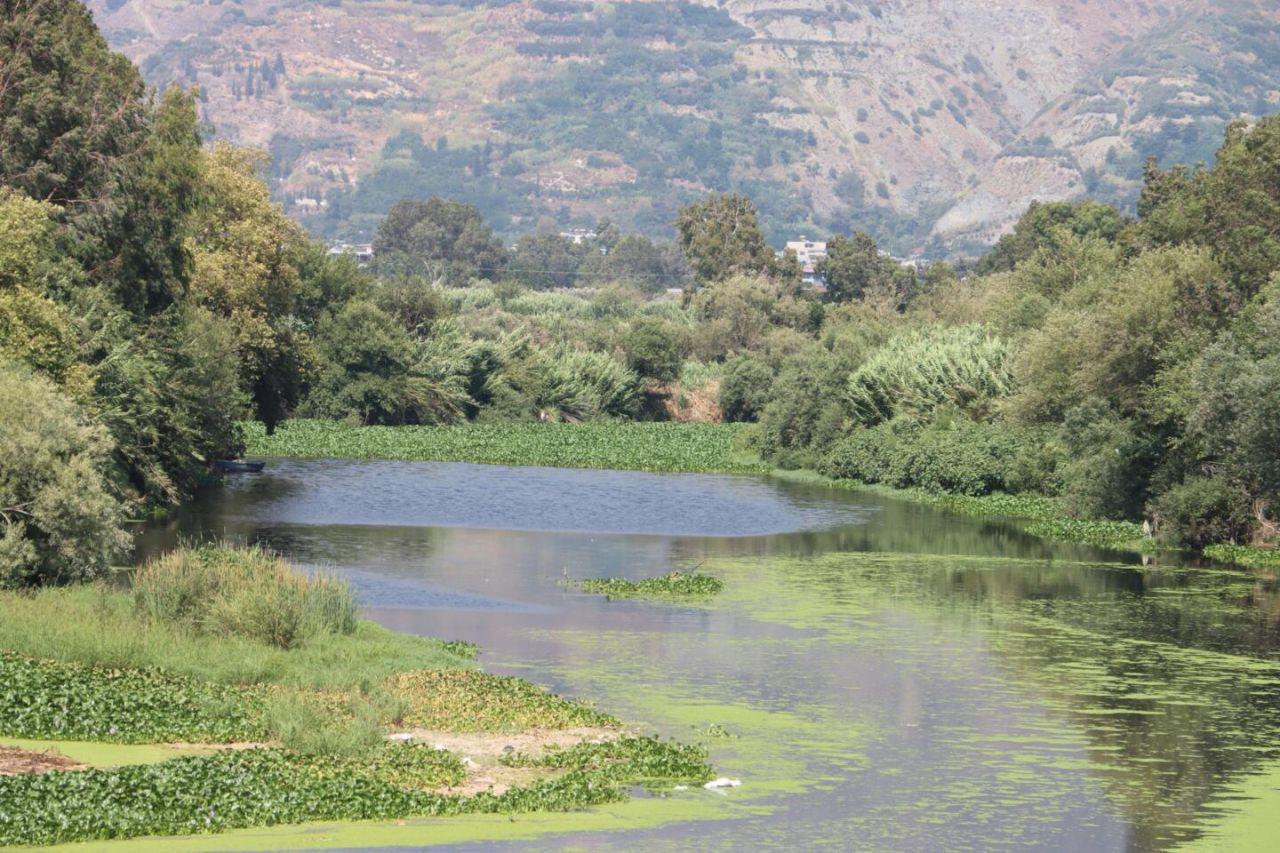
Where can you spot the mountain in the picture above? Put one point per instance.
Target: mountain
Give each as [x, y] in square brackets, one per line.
[930, 123]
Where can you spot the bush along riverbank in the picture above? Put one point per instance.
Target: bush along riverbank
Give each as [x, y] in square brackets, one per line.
[279, 705]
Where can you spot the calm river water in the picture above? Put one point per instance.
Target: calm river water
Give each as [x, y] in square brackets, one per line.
[879, 675]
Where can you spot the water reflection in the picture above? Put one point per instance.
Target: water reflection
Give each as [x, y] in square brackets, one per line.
[896, 678]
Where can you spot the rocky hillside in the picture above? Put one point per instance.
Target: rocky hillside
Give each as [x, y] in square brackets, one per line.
[931, 123]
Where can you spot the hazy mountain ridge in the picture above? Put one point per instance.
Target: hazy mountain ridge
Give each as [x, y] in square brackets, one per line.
[931, 123]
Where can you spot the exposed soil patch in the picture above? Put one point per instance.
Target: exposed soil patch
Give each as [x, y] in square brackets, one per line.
[14, 761]
[480, 753]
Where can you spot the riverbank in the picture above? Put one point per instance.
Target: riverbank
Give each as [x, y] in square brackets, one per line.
[119, 721]
[684, 448]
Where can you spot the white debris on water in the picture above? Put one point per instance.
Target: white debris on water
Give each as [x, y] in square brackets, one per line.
[722, 782]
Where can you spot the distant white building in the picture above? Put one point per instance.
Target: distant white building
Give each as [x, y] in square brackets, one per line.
[578, 236]
[362, 252]
[808, 253]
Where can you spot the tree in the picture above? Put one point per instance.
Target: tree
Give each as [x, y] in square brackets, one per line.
[58, 520]
[244, 250]
[1042, 225]
[636, 261]
[721, 237]
[545, 261]
[855, 267]
[1233, 208]
[442, 239]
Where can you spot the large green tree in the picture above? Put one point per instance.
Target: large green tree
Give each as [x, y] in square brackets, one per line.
[444, 240]
[721, 237]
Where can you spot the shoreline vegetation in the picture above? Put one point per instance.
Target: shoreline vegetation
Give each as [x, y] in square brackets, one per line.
[687, 448]
[228, 690]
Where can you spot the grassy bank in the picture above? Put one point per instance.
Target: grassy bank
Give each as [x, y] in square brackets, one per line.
[670, 447]
[280, 701]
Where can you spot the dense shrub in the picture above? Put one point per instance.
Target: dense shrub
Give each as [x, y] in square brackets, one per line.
[1203, 511]
[656, 348]
[246, 592]
[58, 521]
[745, 388]
[952, 454]
[1109, 462]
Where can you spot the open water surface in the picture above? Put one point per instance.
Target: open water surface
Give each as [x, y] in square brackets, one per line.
[879, 675]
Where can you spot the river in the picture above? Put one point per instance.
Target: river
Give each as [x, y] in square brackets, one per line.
[878, 674]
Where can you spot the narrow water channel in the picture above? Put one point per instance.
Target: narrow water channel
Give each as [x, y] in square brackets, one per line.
[879, 675]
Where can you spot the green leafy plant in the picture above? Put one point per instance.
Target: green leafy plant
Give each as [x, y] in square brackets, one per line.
[672, 585]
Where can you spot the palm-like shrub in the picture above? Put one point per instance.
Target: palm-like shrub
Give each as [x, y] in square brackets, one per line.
[915, 373]
[587, 385]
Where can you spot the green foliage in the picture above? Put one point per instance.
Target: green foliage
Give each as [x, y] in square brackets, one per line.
[322, 725]
[688, 447]
[59, 522]
[1104, 534]
[1244, 555]
[916, 372]
[1108, 462]
[951, 454]
[474, 701]
[670, 585]
[1201, 511]
[546, 261]
[446, 241]
[246, 592]
[649, 761]
[745, 388]
[239, 788]
[855, 268]
[1043, 226]
[101, 626]
[721, 237]
[583, 385]
[70, 701]
[655, 348]
[1232, 208]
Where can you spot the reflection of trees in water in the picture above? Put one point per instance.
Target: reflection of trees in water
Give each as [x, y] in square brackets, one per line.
[1166, 673]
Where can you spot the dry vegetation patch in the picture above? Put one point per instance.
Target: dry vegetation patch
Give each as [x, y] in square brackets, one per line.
[14, 761]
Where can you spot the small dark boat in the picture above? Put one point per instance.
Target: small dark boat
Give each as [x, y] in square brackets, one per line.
[230, 466]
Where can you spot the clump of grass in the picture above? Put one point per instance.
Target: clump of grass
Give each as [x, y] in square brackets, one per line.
[243, 591]
[648, 761]
[96, 624]
[474, 701]
[672, 585]
[461, 648]
[1245, 555]
[320, 724]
